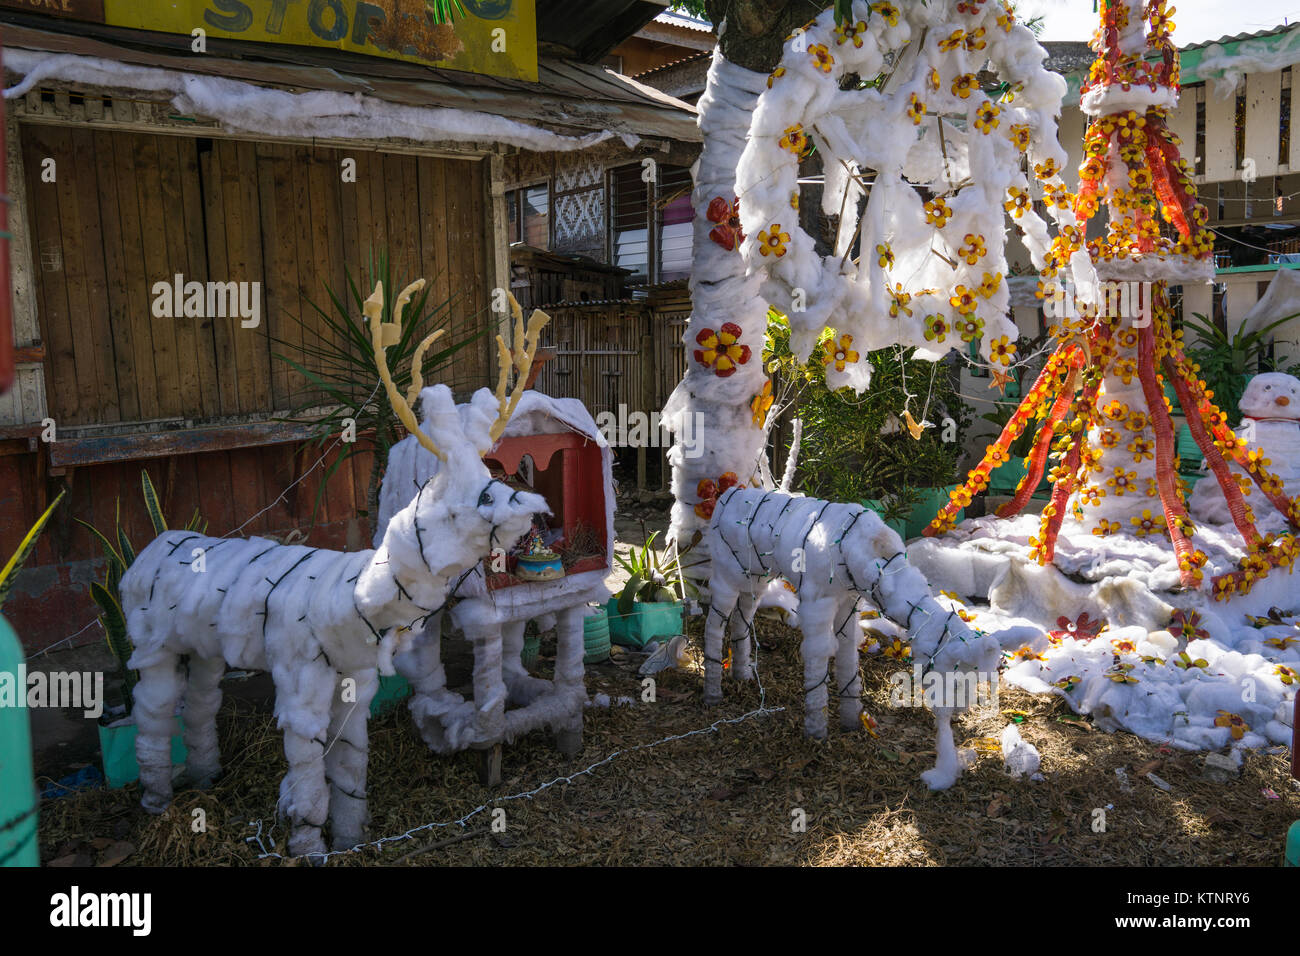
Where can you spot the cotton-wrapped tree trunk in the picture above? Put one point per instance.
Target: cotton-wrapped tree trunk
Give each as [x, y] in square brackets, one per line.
[729, 318]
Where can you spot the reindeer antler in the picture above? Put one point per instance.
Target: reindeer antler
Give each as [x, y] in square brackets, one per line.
[520, 358]
[385, 334]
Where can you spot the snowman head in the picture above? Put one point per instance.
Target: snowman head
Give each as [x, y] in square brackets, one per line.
[1271, 395]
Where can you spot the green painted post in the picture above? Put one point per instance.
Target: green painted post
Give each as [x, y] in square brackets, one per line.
[17, 786]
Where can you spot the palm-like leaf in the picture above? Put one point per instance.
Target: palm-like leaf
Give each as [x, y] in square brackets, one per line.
[444, 11]
[151, 505]
[25, 547]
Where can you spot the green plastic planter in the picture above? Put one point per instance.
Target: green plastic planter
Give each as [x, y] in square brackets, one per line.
[595, 638]
[1189, 453]
[1293, 845]
[117, 747]
[391, 691]
[532, 649]
[17, 785]
[648, 620]
[922, 513]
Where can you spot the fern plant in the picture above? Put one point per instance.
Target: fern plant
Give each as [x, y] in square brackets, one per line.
[120, 555]
[25, 547]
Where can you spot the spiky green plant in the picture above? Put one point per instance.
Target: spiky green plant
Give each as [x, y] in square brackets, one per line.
[25, 547]
[120, 555]
[338, 361]
[1228, 361]
[651, 576]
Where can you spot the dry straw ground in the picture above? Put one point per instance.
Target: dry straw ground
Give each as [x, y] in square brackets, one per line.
[728, 797]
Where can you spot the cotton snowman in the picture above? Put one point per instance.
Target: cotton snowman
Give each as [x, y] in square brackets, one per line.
[1270, 409]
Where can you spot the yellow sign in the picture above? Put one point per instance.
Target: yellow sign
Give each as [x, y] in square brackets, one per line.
[496, 37]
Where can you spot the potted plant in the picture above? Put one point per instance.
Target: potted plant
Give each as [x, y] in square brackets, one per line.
[650, 604]
[117, 730]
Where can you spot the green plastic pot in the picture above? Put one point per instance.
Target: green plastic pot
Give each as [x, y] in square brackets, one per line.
[922, 513]
[117, 747]
[391, 691]
[17, 785]
[595, 638]
[648, 620]
[532, 649]
[1293, 845]
[1189, 453]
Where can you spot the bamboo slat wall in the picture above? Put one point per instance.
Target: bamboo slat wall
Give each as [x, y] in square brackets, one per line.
[131, 209]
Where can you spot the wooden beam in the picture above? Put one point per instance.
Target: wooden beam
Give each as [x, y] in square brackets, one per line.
[100, 449]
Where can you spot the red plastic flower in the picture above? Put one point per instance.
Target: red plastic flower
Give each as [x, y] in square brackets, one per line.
[727, 233]
[1186, 624]
[709, 491]
[1084, 629]
[722, 350]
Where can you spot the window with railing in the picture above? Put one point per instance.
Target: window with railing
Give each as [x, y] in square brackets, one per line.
[650, 221]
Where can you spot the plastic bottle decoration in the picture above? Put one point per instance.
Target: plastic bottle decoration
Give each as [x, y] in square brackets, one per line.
[1106, 424]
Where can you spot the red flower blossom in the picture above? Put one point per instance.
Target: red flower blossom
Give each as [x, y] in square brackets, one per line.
[728, 233]
[709, 491]
[1186, 624]
[1084, 629]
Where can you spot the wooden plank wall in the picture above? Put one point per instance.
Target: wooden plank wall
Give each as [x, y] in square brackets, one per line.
[131, 209]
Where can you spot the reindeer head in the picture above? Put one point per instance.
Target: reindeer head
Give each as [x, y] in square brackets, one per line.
[461, 514]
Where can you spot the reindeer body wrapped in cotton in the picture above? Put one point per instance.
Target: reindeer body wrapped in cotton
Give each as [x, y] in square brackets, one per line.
[835, 555]
[325, 623]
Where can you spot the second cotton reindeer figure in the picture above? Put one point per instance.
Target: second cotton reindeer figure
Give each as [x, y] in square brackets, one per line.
[834, 555]
[325, 623]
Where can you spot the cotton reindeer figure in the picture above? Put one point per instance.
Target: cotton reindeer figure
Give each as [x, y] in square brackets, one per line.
[834, 555]
[325, 623]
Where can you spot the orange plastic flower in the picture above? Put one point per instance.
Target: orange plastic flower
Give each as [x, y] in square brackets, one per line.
[721, 351]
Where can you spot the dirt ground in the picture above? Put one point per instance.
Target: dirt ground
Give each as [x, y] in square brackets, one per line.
[725, 793]
[732, 796]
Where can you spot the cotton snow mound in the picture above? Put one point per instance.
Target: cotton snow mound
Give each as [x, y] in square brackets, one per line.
[1174, 667]
[247, 108]
[1019, 756]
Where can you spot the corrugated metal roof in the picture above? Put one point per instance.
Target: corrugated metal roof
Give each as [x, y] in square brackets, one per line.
[673, 18]
[569, 97]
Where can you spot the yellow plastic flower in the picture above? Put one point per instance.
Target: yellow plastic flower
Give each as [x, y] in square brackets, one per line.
[761, 403]
[795, 140]
[772, 240]
[775, 75]
[916, 110]
[1020, 137]
[964, 85]
[986, 117]
[972, 249]
[884, 256]
[821, 57]
[842, 354]
[937, 212]
[951, 42]
[1002, 350]
[1019, 202]
[888, 11]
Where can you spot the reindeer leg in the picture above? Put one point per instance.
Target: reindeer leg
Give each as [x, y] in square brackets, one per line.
[345, 762]
[421, 664]
[817, 617]
[202, 701]
[722, 602]
[489, 688]
[154, 710]
[848, 676]
[946, 768]
[570, 650]
[304, 696]
[742, 622]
